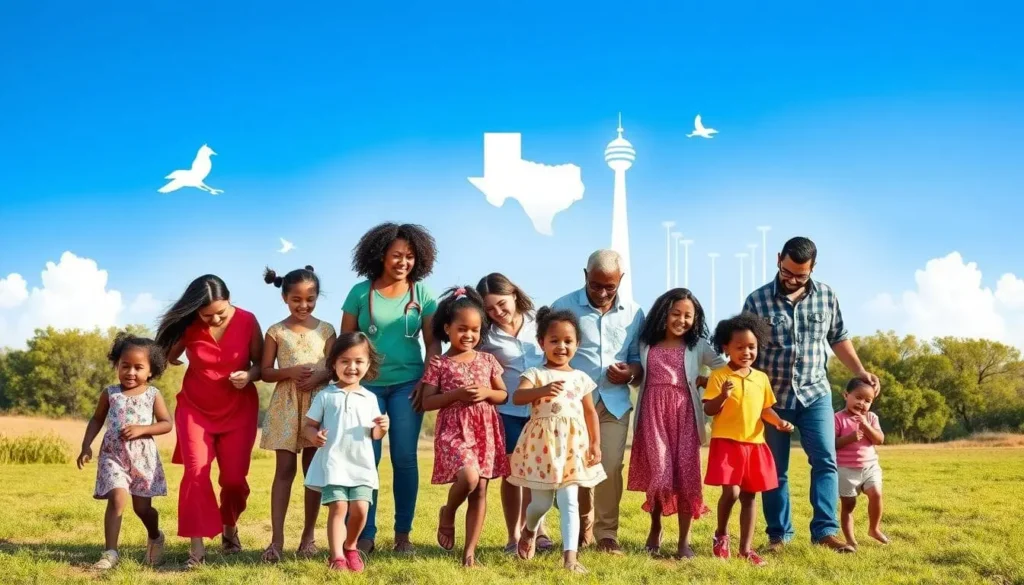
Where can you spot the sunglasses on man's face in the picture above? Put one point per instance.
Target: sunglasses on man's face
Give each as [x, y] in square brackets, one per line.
[798, 278]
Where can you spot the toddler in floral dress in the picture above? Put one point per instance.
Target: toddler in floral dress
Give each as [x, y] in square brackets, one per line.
[559, 449]
[469, 443]
[129, 463]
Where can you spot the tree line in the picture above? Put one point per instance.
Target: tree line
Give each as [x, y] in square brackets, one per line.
[941, 389]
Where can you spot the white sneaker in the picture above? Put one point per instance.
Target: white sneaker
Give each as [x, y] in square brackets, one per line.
[108, 560]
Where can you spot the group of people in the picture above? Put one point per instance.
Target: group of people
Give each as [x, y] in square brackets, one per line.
[538, 398]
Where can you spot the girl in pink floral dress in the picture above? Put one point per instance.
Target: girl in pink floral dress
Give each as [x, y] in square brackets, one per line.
[129, 469]
[469, 444]
[670, 423]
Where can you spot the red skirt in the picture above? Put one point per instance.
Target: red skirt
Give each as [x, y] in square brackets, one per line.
[748, 465]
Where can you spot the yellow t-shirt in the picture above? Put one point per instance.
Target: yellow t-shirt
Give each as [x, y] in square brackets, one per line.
[740, 417]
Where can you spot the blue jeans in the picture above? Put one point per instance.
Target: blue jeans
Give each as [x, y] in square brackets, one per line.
[404, 436]
[816, 423]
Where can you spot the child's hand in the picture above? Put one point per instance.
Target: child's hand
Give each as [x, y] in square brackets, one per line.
[784, 426]
[132, 432]
[702, 381]
[553, 389]
[435, 361]
[320, 439]
[727, 388]
[864, 424]
[594, 454]
[383, 423]
[239, 379]
[474, 394]
[84, 457]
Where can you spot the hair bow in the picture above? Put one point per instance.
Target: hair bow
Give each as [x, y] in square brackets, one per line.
[460, 293]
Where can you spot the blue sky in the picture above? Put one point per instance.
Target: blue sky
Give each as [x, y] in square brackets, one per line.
[890, 133]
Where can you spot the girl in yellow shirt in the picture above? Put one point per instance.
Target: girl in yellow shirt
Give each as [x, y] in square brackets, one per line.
[740, 399]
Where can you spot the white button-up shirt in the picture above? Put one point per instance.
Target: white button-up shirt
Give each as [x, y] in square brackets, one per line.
[516, 354]
[347, 458]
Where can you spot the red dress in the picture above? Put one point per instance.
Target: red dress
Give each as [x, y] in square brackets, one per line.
[215, 420]
[467, 435]
[666, 449]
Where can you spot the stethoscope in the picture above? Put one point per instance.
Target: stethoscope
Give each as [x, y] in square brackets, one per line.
[411, 305]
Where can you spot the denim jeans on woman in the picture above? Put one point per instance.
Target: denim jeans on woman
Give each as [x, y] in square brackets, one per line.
[403, 437]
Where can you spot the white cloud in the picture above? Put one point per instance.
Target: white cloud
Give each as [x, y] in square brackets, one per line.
[145, 304]
[950, 299]
[73, 294]
[13, 291]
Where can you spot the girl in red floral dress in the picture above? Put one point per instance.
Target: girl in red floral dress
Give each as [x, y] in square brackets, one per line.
[469, 444]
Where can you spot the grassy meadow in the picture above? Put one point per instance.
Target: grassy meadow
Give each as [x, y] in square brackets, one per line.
[953, 513]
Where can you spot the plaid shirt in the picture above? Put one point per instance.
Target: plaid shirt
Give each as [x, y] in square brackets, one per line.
[796, 355]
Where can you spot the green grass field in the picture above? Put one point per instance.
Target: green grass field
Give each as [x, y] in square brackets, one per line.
[954, 516]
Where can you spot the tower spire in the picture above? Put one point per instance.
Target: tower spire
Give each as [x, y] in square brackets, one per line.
[620, 125]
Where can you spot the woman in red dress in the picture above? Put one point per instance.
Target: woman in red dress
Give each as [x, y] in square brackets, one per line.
[217, 409]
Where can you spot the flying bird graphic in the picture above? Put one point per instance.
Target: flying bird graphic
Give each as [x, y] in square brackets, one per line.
[700, 130]
[286, 246]
[195, 176]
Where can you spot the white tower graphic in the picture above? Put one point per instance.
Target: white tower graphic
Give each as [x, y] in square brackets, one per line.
[620, 156]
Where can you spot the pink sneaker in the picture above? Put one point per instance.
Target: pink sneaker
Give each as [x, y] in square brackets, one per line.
[754, 559]
[720, 546]
[337, 565]
[355, 562]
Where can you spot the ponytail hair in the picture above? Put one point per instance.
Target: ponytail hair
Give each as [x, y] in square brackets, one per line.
[289, 280]
[454, 300]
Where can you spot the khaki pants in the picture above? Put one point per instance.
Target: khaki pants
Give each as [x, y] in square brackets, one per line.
[599, 506]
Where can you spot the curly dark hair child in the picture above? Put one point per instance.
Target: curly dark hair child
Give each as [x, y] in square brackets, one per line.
[745, 321]
[368, 255]
[655, 325]
[125, 341]
[347, 341]
[452, 301]
[289, 280]
[546, 317]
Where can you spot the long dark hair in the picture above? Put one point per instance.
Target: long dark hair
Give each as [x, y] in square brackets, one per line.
[454, 300]
[498, 284]
[198, 294]
[655, 325]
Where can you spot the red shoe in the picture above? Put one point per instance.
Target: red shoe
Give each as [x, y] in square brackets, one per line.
[720, 546]
[754, 559]
[337, 565]
[355, 562]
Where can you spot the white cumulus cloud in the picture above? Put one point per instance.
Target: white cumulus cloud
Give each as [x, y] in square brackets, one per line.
[950, 298]
[73, 294]
[145, 304]
[13, 291]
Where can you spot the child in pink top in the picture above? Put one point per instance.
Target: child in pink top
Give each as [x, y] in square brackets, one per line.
[857, 433]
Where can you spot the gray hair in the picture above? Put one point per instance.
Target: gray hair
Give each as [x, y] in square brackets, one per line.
[606, 261]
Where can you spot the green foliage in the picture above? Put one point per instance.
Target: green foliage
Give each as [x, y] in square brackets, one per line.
[948, 388]
[34, 449]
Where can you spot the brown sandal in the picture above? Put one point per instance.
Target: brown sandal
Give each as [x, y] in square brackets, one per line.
[307, 550]
[445, 532]
[527, 546]
[194, 562]
[271, 554]
[231, 545]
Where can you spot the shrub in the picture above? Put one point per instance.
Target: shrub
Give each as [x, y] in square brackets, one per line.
[34, 449]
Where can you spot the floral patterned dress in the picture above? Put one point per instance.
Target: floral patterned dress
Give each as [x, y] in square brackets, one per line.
[467, 435]
[666, 449]
[552, 449]
[282, 424]
[131, 465]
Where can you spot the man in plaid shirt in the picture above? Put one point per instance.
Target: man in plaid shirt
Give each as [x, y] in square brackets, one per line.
[805, 321]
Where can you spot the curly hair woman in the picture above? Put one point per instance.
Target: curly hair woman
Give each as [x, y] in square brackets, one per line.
[395, 309]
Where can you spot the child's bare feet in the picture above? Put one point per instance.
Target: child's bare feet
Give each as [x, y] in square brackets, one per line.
[445, 530]
[653, 545]
[469, 561]
[684, 552]
[877, 535]
[576, 567]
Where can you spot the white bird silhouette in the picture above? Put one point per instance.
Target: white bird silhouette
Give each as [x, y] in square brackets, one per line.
[193, 177]
[286, 246]
[700, 130]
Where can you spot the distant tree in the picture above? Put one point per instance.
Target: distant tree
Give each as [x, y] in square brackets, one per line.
[986, 379]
